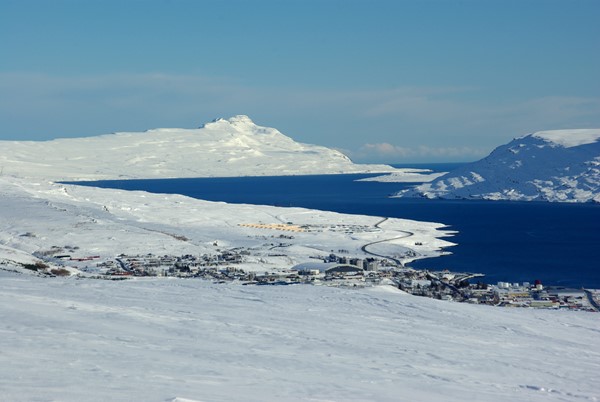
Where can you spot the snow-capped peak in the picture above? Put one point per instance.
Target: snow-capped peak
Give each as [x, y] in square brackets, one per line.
[239, 121]
[569, 138]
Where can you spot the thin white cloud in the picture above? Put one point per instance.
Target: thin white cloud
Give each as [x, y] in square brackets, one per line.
[386, 149]
[390, 152]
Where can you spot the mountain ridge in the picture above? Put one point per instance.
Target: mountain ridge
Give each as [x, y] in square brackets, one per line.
[555, 166]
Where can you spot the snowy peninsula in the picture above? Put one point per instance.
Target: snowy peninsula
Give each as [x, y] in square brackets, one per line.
[556, 166]
[40, 221]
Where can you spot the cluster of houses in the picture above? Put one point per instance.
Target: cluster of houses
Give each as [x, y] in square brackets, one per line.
[455, 286]
[167, 265]
[335, 270]
[536, 295]
[338, 270]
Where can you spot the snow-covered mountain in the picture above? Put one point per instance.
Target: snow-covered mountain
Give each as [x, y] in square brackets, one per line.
[559, 166]
[223, 147]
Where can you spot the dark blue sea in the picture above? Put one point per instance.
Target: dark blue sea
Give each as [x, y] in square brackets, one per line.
[507, 241]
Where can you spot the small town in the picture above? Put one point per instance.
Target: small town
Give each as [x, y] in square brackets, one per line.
[329, 270]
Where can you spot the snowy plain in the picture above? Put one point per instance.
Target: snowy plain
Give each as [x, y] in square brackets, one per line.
[166, 339]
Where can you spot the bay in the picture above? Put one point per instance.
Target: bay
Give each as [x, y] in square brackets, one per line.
[556, 243]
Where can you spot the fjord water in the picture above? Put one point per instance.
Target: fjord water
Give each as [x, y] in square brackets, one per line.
[507, 241]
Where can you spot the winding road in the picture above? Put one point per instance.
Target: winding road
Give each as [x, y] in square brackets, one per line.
[284, 219]
[377, 225]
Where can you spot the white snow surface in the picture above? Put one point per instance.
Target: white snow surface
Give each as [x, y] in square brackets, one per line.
[556, 166]
[222, 148]
[570, 138]
[406, 176]
[192, 340]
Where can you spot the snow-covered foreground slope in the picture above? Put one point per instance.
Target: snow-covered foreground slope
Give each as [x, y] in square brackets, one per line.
[561, 166]
[157, 340]
[224, 148]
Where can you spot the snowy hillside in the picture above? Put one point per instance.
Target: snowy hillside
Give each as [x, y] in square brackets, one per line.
[223, 148]
[558, 166]
[191, 340]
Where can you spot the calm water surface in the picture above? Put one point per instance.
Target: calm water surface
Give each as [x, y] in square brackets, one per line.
[508, 241]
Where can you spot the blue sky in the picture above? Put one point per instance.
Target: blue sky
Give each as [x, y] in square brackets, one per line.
[386, 81]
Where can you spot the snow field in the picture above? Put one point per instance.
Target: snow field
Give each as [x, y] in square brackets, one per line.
[156, 340]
